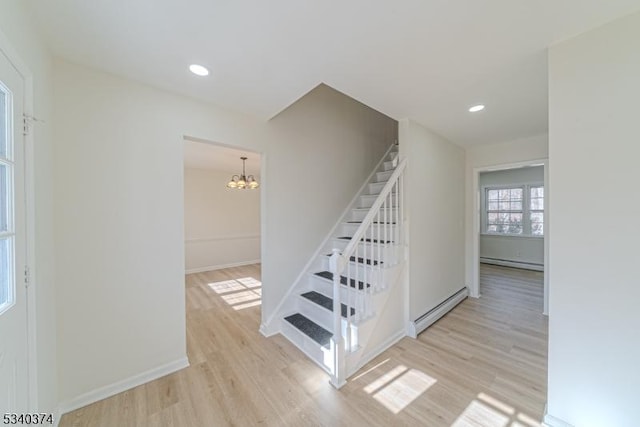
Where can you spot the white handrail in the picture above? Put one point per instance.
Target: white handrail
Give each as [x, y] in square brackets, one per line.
[371, 261]
[386, 190]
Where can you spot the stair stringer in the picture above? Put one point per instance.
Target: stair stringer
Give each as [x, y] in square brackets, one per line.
[389, 322]
[273, 325]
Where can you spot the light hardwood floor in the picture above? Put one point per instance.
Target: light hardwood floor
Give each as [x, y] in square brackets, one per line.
[483, 364]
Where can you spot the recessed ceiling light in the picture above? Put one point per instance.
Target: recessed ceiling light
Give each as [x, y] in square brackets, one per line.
[198, 70]
[476, 108]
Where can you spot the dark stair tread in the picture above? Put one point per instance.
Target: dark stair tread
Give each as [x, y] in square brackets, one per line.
[326, 302]
[367, 240]
[343, 280]
[361, 260]
[310, 329]
[373, 222]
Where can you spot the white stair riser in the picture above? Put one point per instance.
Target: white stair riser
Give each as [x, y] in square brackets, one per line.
[387, 166]
[378, 282]
[352, 264]
[390, 252]
[360, 214]
[367, 200]
[320, 355]
[383, 176]
[371, 273]
[325, 287]
[376, 187]
[324, 317]
[376, 231]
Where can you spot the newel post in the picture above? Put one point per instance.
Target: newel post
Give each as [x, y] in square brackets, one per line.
[336, 266]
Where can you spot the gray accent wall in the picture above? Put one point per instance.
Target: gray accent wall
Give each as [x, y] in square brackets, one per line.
[321, 149]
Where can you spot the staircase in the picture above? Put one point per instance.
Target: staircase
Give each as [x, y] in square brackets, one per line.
[333, 311]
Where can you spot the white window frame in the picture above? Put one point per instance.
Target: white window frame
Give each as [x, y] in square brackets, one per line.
[526, 209]
[10, 233]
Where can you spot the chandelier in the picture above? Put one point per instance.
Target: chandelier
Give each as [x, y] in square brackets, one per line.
[243, 181]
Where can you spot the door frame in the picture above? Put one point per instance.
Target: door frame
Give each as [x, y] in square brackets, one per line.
[475, 278]
[29, 196]
[263, 181]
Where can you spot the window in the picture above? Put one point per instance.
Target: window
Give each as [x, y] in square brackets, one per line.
[7, 234]
[514, 210]
[504, 210]
[536, 210]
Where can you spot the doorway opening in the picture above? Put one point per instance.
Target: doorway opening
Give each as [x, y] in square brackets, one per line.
[222, 224]
[511, 226]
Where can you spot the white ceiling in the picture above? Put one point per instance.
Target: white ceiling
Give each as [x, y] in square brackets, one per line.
[200, 155]
[428, 60]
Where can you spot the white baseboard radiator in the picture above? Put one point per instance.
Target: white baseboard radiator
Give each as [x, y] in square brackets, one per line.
[431, 316]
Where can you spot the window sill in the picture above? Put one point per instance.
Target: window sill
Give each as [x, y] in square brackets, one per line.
[518, 236]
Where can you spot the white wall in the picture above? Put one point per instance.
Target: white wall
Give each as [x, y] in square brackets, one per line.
[119, 223]
[320, 151]
[222, 226]
[594, 88]
[18, 30]
[521, 150]
[518, 176]
[519, 249]
[434, 195]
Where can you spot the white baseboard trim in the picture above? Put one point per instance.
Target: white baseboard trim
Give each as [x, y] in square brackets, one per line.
[57, 414]
[120, 386]
[551, 421]
[373, 353]
[515, 264]
[268, 331]
[221, 266]
[416, 327]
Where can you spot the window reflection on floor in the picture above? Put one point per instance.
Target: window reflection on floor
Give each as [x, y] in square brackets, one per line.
[399, 386]
[486, 410]
[396, 389]
[239, 293]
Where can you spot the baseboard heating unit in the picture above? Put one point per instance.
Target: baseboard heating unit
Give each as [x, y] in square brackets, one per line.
[431, 316]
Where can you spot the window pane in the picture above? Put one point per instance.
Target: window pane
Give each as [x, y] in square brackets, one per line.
[537, 192]
[516, 206]
[4, 198]
[3, 124]
[492, 218]
[537, 223]
[515, 223]
[537, 204]
[492, 228]
[504, 194]
[504, 206]
[537, 228]
[5, 273]
[493, 206]
[492, 194]
[516, 193]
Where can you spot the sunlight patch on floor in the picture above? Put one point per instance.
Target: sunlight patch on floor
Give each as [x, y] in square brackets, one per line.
[227, 286]
[479, 414]
[239, 293]
[396, 389]
[486, 410]
[250, 282]
[384, 379]
[370, 370]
